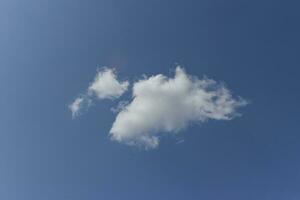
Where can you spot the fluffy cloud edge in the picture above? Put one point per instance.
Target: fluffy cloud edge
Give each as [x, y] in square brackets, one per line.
[167, 105]
[104, 86]
[80, 104]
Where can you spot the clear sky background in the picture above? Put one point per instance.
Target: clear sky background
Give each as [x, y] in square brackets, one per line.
[50, 50]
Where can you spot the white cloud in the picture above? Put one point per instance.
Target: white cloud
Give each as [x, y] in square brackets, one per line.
[167, 105]
[79, 104]
[106, 85]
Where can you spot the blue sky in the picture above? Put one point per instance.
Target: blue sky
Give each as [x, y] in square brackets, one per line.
[50, 52]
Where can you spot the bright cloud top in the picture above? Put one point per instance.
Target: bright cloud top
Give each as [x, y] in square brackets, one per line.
[167, 105]
[104, 86]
